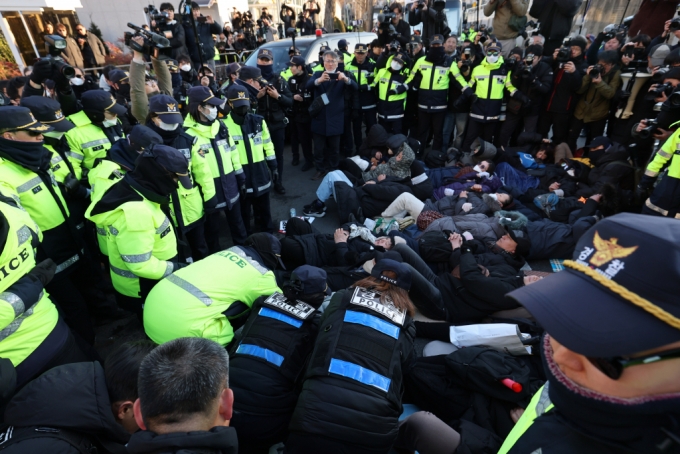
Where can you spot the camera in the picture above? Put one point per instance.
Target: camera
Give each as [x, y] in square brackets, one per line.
[154, 45]
[154, 14]
[660, 74]
[645, 133]
[421, 3]
[54, 45]
[564, 53]
[596, 71]
[666, 88]
[674, 25]
[639, 62]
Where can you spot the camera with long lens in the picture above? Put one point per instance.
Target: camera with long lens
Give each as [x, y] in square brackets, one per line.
[646, 132]
[660, 90]
[596, 71]
[154, 45]
[154, 14]
[54, 46]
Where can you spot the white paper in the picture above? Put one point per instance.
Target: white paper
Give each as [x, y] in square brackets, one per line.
[503, 337]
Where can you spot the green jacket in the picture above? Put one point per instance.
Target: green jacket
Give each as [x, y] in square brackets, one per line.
[596, 98]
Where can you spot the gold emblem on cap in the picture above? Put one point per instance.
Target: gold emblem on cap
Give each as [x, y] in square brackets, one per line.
[241, 95]
[172, 107]
[58, 115]
[608, 250]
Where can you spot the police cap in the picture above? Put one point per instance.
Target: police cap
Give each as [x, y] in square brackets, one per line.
[203, 95]
[361, 48]
[166, 108]
[100, 101]
[238, 95]
[309, 279]
[20, 119]
[171, 160]
[48, 112]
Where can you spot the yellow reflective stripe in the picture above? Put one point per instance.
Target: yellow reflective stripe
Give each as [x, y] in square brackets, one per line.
[663, 154]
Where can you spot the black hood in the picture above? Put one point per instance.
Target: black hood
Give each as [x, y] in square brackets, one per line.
[220, 440]
[123, 154]
[616, 152]
[377, 137]
[72, 397]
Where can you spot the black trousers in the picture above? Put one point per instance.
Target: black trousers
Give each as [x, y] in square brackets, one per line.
[559, 123]
[301, 133]
[435, 123]
[279, 140]
[366, 116]
[346, 141]
[326, 152]
[214, 221]
[391, 126]
[294, 139]
[196, 237]
[262, 211]
[476, 128]
[72, 305]
[595, 129]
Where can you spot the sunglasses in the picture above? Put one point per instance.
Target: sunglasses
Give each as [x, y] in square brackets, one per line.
[613, 367]
[27, 131]
[492, 52]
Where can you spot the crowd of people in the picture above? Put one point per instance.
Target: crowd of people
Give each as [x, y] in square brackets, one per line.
[455, 164]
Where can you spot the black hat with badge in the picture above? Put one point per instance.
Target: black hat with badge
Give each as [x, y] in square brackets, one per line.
[203, 95]
[437, 39]
[101, 101]
[238, 95]
[619, 294]
[360, 48]
[20, 119]
[170, 159]
[416, 39]
[265, 54]
[250, 72]
[403, 279]
[402, 58]
[142, 138]
[309, 280]
[296, 61]
[166, 108]
[48, 112]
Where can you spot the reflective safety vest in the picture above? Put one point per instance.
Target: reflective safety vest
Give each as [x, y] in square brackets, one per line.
[539, 405]
[101, 178]
[391, 106]
[88, 139]
[191, 301]
[27, 316]
[490, 82]
[268, 361]
[189, 202]
[214, 148]
[286, 74]
[664, 199]
[49, 211]
[434, 83]
[255, 150]
[364, 75]
[316, 68]
[60, 168]
[141, 243]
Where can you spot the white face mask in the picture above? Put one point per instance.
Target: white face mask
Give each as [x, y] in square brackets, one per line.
[494, 196]
[109, 123]
[477, 168]
[167, 126]
[396, 66]
[54, 134]
[212, 113]
[492, 58]
[77, 82]
[185, 68]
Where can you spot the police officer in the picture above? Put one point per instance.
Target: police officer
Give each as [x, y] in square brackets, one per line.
[141, 241]
[342, 48]
[491, 79]
[351, 396]
[188, 207]
[318, 65]
[98, 126]
[267, 361]
[415, 51]
[274, 97]
[33, 338]
[391, 89]
[254, 147]
[212, 298]
[665, 197]
[612, 319]
[217, 148]
[363, 70]
[301, 120]
[25, 175]
[430, 76]
[287, 73]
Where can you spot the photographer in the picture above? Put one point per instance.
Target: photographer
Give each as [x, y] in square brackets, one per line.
[612, 38]
[312, 7]
[670, 27]
[171, 29]
[287, 16]
[456, 113]
[634, 51]
[423, 12]
[301, 120]
[598, 87]
[532, 77]
[503, 12]
[667, 117]
[363, 70]
[140, 89]
[274, 97]
[206, 27]
[306, 24]
[402, 31]
[569, 66]
[264, 14]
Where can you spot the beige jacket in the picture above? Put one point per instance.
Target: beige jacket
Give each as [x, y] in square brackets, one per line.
[98, 49]
[138, 97]
[504, 9]
[72, 53]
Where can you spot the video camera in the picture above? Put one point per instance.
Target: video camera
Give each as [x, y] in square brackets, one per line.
[154, 14]
[154, 45]
[54, 46]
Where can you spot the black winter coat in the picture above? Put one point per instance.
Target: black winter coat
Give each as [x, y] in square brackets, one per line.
[557, 240]
[178, 40]
[206, 41]
[70, 397]
[330, 121]
[563, 97]
[274, 110]
[298, 86]
[536, 86]
[556, 18]
[218, 440]
[612, 168]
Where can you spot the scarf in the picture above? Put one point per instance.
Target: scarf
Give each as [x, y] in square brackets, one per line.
[151, 180]
[31, 155]
[167, 136]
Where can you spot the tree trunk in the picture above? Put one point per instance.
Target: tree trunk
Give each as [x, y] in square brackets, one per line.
[329, 14]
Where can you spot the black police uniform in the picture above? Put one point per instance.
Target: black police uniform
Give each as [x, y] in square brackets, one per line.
[301, 120]
[351, 397]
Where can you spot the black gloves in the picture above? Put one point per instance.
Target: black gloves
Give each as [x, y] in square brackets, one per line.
[41, 70]
[210, 206]
[44, 271]
[71, 184]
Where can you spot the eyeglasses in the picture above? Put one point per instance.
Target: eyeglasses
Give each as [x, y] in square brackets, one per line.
[492, 53]
[613, 367]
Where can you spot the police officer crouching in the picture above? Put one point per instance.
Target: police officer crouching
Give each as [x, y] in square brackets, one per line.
[351, 396]
[267, 362]
[141, 241]
[256, 151]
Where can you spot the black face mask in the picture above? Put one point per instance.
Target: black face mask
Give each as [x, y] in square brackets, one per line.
[238, 114]
[267, 71]
[124, 91]
[435, 54]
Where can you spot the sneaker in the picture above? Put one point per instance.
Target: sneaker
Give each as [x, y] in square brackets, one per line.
[316, 209]
[296, 161]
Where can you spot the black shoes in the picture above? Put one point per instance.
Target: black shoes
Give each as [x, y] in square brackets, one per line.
[316, 209]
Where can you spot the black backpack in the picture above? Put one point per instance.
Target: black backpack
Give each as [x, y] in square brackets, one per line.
[435, 247]
[12, 435]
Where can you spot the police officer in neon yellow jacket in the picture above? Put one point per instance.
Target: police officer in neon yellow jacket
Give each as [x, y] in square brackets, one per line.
[97, 126]
[32, 336]
[665, 200]
[212, 297]
[141, 241]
